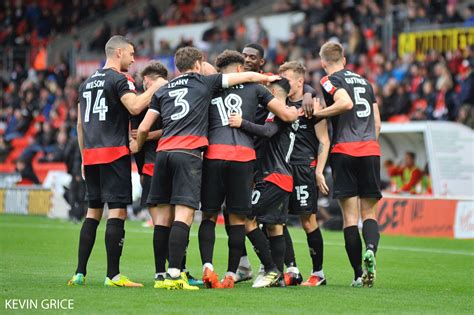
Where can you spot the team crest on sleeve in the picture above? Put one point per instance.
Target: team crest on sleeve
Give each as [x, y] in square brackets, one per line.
[327, 85]
[131, 86]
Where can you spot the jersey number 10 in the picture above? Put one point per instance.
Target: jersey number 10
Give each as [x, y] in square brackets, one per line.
[99, 106]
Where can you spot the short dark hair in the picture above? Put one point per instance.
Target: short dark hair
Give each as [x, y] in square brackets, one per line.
[155, 68]
[258, 47]
[411, 154]
[283, 83]
[229, 57]
[185, 58]
[116, 41]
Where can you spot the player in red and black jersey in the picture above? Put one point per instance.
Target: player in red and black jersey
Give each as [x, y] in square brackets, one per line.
[309, 157]
[229, 163]
[106, 99]
[355, 157]
[271, 194]
[175, 190]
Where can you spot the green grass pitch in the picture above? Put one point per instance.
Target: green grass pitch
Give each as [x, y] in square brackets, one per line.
[414, 275]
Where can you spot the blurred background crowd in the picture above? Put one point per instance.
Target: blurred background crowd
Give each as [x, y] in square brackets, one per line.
[38, 103]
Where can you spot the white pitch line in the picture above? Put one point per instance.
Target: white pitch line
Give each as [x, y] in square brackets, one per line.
[218, 235]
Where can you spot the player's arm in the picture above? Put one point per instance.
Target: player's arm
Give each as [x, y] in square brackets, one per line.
[143, 130]
[80, 137]
[308, 94]
[265, 131]
[342, 103]
[378, 121]
[285, 113]
[230, 79]
[135, 104]
[155, 135]
[322, 134]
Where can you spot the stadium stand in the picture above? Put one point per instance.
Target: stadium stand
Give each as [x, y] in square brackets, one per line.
[43, 97]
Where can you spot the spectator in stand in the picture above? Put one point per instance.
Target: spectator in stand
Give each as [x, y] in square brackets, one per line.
[409, 173]
[466, 96]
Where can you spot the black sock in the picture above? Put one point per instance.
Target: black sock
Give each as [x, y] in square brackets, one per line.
[236, 243]
[277, 247]
[86, 243]
[316, 249]
[183, 263]
[177, 244]
[370, 232]
[114, 237]
[161, 236]
[290, 260]
[354, 249]
[260, 245]
[207, 238]
[244, 250]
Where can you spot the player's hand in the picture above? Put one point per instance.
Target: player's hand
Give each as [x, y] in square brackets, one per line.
[133, 146]
[235, 120]
[317, 107]
[133, 133]
[321, 182]
[308, 107]
[271, 78]
[83, 174]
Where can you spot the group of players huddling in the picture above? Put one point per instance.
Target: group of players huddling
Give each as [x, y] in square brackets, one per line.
[236, 140]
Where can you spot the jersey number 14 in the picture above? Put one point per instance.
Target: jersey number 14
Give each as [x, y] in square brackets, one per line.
[99, 106]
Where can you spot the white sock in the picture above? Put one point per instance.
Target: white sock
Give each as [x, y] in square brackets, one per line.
[318, 273]
[163, 274]
[174, 272]
[117, 277]
[293, 269]
[244, 262]
[207, 265]
[233, 275]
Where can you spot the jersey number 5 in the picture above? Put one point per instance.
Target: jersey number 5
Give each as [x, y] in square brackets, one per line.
[181, 102]
[99, 105]
[360, 100]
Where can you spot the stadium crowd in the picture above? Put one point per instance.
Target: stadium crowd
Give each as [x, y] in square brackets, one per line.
[41, 104]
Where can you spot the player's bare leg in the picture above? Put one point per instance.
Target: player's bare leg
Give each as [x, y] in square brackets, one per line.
[350, 215]
[316, 249]
[86, 244]
[370, 232]
[207, 239]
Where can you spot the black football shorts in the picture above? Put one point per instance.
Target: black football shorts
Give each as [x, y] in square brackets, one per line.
[176, 178]
[270, 203]
[110, 182]
[304, 198]
[227, 180]
[355, 176]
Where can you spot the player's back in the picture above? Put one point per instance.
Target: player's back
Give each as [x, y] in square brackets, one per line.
[354, 130]
[183, 105]
[228, 143]
[104, 118]
[277, 153]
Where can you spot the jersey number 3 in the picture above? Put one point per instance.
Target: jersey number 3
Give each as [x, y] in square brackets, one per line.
[99, 106]
[360, 100]
[179, 101]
